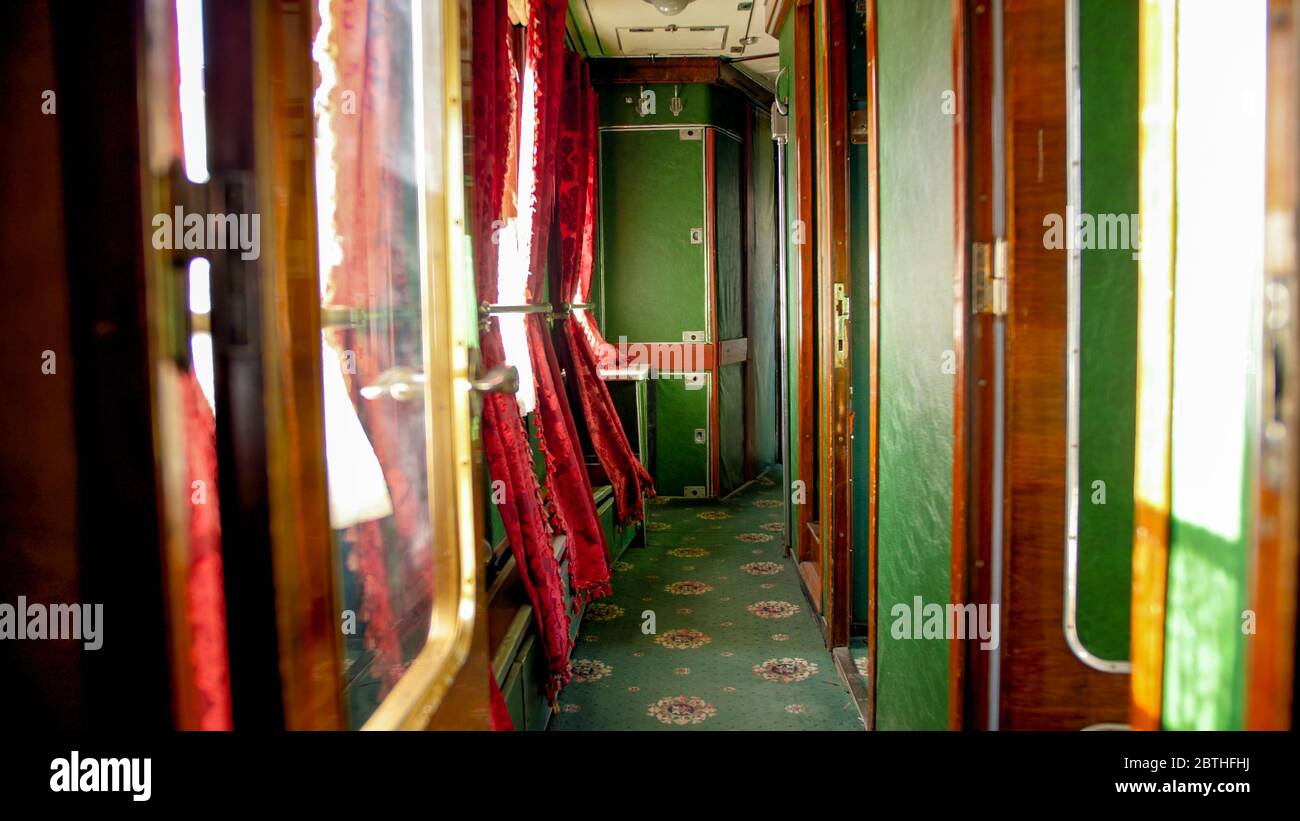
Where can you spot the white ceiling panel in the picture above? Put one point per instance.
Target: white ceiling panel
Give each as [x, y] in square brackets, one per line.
[634, 28]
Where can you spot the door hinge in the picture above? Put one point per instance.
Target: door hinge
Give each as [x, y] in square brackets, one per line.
[989, 277]
[841, 326]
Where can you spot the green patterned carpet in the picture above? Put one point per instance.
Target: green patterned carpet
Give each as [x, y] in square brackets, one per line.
[733, 645]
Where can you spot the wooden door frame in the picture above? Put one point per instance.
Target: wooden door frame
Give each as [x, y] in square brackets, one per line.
[835, 497]
[1151, 486]
[1043, 684]
[873, 331]
[290, 575]
[978, 372]
[963, 325]
[805, 220]
[1271, 653]
[297, 488]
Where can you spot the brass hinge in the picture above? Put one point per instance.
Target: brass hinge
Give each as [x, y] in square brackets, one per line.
[989, 277]
[841, 326]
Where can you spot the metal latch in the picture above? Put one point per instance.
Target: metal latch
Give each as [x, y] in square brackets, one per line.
[989, 277]
[841, 326]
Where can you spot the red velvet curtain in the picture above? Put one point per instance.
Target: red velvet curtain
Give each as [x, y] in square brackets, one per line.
[207, 596]
[577, 175]
[570, 492]
[509, 456]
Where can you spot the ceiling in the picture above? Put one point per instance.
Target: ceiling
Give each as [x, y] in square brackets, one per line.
[705, 28]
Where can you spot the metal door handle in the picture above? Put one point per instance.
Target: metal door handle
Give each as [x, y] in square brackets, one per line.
[500, 379]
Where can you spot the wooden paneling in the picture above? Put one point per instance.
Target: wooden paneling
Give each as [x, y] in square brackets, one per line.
[802, 237]
[647, 71]
[979, 357]
[1044, 685]
[833, 270]
[301, 536]
[960, 323]
[873, 330]
[38, 482]
[1270, 671]
[1157, 33]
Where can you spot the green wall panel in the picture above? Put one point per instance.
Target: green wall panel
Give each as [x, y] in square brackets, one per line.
[1108, 67]
[915, 468]
[701, 105]
[784, 90]
[763, 315]
[729, 218]
[859, 336]
[679, 459]
[651, 196]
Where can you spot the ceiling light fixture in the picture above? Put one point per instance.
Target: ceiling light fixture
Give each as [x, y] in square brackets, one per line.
[670, 7]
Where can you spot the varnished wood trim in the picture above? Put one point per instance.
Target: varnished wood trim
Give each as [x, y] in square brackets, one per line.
[302, 544]
[873, 330]
[1270, 660]
[834, 271]
[805, 219]
[711, 300]
[960, 315]
[706, 70]
[980, 363]
[1158, 104]
[1044, 686]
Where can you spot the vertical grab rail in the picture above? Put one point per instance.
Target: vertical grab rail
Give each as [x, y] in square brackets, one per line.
[780, 137]
[1074, 328]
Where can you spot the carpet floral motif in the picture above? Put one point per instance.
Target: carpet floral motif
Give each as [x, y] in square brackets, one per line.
[773, 609]
[682, 710]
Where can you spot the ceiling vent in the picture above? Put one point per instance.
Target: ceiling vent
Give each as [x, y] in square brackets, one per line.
[672, 39]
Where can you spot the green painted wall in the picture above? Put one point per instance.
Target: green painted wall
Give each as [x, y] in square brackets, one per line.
[859, 332]
[915, 469]
[784, 91]
[763, 317]
[729, 218]
[701, 105]
[1108, 67]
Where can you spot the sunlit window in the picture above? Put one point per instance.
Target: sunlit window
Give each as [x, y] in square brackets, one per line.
[514, 252]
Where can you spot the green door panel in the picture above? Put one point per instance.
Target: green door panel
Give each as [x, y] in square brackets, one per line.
[916, 333]
[652, 196]
[679, 460]
[1108, 70]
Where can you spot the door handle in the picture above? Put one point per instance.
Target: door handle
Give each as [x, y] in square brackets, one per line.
[500, 379]
[403, 383]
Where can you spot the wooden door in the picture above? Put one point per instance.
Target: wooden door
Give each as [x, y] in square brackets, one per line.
[344, 406]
